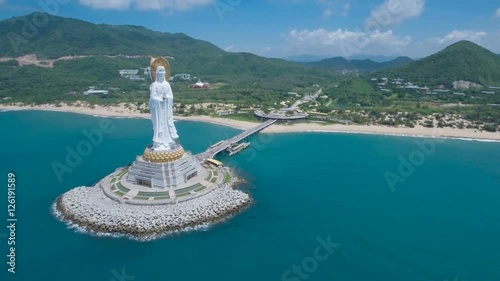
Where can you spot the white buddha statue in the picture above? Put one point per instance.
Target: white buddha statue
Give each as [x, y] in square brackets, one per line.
[160, 105]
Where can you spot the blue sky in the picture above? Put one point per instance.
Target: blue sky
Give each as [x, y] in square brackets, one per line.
[282, 28]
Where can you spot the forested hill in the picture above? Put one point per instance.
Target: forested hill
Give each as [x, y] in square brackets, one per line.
[66, 36]
[366, 65]
[463, 60]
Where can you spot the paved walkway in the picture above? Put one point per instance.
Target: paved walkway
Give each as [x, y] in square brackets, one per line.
[116, 187]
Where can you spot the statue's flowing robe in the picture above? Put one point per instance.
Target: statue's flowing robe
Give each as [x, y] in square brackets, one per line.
[160, 105]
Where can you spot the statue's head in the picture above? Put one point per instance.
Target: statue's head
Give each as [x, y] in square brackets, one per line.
[160, 74]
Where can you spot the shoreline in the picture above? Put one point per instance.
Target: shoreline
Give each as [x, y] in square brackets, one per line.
[419, 131]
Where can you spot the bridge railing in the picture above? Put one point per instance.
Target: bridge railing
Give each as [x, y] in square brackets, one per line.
[212, 151]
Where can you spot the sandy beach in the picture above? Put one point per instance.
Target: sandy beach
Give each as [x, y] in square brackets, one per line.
[123, 112]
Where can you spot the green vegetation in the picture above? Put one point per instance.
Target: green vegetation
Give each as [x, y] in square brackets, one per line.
[243, 82]
[122, 188]
[227, 178]
[241, 78]
[340, 63]
[463, 60]
[119, 193]
[186, 191]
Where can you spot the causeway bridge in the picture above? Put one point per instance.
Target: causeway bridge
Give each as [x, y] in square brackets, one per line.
[223, 145]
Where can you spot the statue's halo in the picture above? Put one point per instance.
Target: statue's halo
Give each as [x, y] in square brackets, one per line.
[159, 61]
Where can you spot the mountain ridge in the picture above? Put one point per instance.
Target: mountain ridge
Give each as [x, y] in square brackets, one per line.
[463, 60]
[364, 65]
[58, 39]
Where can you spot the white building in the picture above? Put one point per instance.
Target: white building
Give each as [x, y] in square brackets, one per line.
[128, 72]
[184, 76]
[95, 92]
[131, 74]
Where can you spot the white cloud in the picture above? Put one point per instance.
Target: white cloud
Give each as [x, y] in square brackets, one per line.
[346, 9]
[145, 4]
[497, 14]
[327, 13]
[229, 48]
[457, 35]
[393, 12]
[347, 42]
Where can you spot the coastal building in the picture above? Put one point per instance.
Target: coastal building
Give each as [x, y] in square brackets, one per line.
[131, 74]
[94, 92]
[461, 84]
[280, 116]
[183, 76]
[128, 72]
[199, 85]
[225, 112]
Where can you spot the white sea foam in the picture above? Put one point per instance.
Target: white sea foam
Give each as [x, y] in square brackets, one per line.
[400, 135]
[98, 215]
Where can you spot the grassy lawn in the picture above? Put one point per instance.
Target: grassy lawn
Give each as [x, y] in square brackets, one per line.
[122, 188]
[187, 189]
[227, 178]
[209, 176]
[199, 189]
[119, 193]
[153, 194]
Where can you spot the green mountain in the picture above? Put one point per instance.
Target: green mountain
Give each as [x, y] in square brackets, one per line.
[244, 76]
[463, 60]
[366, 65]
[66, 36]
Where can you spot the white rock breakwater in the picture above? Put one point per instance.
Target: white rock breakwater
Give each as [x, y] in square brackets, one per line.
[90, 209]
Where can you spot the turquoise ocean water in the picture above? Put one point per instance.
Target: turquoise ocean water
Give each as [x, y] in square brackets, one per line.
[442, 222]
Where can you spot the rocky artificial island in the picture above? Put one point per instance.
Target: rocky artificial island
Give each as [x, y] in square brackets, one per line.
[166, 189]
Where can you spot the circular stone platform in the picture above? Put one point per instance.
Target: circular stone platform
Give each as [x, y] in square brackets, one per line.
[117, 188]
[92, 209]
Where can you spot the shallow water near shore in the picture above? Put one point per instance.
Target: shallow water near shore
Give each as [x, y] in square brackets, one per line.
[442, 222]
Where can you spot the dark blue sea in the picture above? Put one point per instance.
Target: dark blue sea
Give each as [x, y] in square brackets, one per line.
[328, 206]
